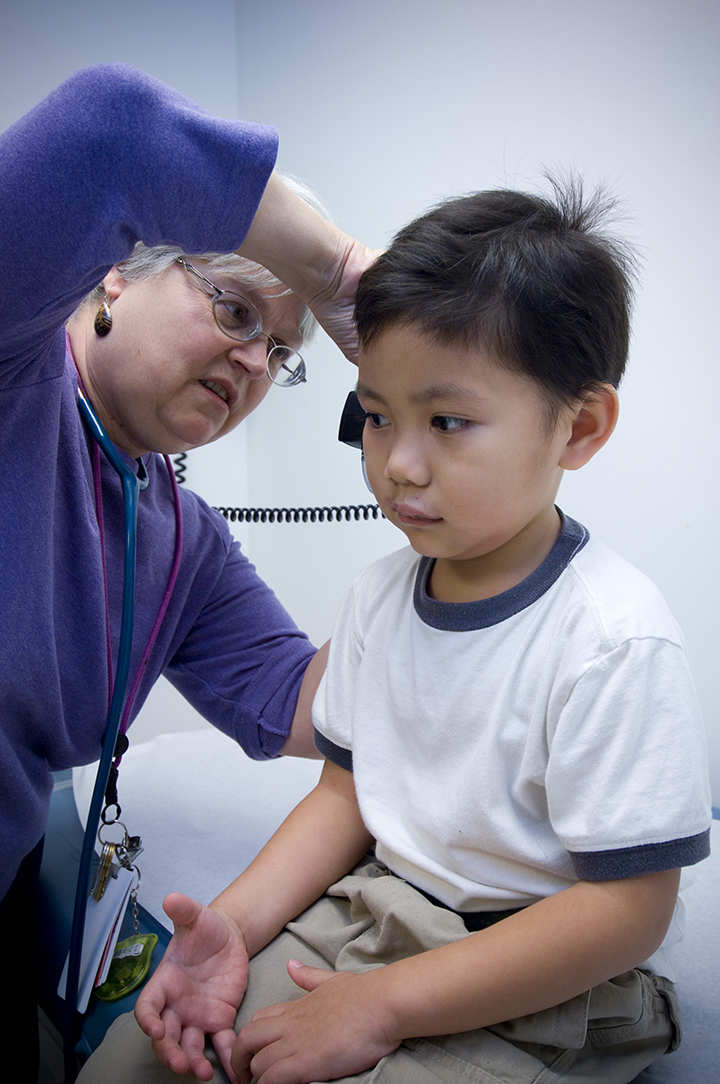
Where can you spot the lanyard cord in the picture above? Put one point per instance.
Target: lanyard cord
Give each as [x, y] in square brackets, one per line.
[120, 705]
[130, 486]
[97, 485]
[120, 747]
[166, 598]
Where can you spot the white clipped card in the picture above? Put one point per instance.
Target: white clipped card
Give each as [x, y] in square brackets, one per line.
[102, 925]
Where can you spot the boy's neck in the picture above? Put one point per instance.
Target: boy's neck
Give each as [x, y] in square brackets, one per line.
[484, 577]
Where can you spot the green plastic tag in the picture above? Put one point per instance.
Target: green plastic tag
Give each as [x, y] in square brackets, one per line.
[129, 967]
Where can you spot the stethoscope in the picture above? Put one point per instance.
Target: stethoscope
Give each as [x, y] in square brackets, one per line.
[114, 741]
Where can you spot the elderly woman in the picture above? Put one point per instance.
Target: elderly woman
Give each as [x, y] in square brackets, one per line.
[173, 350]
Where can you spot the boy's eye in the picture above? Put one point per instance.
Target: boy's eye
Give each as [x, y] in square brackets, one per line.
[377, 421]
[448, 424]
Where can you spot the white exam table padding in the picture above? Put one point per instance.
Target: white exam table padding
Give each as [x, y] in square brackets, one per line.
[204, 809]
[698, 984]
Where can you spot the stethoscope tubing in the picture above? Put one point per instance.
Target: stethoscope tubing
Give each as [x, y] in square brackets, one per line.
[130, 488]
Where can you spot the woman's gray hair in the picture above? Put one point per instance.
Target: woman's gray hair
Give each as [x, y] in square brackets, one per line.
[147, 263]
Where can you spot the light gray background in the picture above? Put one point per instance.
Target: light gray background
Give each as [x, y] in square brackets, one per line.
[390, 105]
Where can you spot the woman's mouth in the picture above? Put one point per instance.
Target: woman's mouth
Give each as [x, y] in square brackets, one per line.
[217, 388]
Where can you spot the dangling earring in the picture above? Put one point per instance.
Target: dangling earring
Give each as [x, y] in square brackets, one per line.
[103, 318]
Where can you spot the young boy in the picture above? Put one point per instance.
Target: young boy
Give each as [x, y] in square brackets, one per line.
[507, 713]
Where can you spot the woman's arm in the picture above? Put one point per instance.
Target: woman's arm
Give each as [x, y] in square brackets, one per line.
[319, 262]
[110, 157]
[548, 953]
[301, 741]
[113, 156]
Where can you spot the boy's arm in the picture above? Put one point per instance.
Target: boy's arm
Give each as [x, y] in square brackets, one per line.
[548, 953]
[200, 982]
[318, 843]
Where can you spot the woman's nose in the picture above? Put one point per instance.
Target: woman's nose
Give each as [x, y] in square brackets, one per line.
[251, 355]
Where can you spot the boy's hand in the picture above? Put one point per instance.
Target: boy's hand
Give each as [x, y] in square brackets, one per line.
[333, 1031]
[196, 989]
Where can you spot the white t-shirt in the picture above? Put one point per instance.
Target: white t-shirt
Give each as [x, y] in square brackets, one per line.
[504, 749]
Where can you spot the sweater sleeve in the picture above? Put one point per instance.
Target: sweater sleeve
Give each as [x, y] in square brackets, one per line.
[242, 663]
[230, 647]
[110, 157]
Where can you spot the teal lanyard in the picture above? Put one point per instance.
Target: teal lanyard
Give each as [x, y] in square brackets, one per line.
[131, 486]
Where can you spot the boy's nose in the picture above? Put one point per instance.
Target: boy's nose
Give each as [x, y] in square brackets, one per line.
[407, 464]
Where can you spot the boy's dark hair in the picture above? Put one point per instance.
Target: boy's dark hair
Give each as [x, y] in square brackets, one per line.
[529, 279]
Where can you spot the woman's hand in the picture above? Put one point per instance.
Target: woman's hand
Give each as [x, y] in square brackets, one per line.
[196, 989]
[334, 307]
[319, 262]
[335, 1030]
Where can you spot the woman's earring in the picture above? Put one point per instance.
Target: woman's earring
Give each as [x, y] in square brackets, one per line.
[103, 318]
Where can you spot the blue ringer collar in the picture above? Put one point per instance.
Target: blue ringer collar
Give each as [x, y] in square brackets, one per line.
[468, 616]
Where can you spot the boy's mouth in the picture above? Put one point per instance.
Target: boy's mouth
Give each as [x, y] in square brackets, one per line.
[411, 517]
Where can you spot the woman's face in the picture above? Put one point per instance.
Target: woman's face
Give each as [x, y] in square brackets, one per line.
[166, 378]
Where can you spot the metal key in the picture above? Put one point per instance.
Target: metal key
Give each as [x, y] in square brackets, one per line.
[104, 871]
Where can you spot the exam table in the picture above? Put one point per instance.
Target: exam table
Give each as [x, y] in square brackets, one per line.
[204, 809]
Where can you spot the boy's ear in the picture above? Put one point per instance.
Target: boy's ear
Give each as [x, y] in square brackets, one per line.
[592, 426]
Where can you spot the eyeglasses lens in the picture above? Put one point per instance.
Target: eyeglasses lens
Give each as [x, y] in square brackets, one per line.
[285, 366]
[237, 317]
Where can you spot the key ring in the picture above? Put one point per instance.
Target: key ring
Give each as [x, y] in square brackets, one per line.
[111, 824]
[115, 820]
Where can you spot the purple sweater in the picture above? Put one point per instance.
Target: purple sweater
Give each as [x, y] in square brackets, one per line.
[111, 157]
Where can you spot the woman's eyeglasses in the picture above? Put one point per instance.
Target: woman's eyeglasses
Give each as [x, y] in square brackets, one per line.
[240, 320]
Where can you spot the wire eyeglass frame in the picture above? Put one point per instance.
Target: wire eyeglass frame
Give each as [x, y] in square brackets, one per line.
[285, 366]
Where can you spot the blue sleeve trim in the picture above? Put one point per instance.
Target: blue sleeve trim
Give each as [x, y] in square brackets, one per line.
[341, 757]
[636, 861]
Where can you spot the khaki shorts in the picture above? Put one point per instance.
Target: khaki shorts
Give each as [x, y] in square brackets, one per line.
[372, 918]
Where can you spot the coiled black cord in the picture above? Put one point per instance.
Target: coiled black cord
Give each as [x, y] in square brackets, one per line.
[180, 466]
[345, 512]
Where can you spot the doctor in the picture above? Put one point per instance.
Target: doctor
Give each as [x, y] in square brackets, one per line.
[176, 346]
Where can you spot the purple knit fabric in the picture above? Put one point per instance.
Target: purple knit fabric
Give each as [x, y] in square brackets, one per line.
[110, 157]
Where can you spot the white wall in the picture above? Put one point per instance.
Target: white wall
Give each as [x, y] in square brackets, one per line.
[386, 107]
